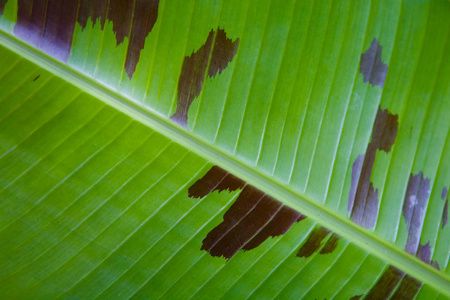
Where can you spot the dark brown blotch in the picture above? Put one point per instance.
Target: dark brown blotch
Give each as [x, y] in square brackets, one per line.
[331, 244]
[405, 286]
[216, 179]
[2, 6]
[363, 197]
[49, 25]
[278, 225]
[211, 58]
[95, 10]
[314, 242]
[37, 77]
[371, 66]
[408, 288]
[251, 219]
[241, 223]
[144, 18]
[416, 198]
[386, 284]
[222, 54]
[444, 197]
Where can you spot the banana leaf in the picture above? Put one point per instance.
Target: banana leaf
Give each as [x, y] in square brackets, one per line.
[224, 149]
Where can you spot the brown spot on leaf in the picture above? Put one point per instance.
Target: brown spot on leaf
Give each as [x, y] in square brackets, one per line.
[2, 6]
[279, 225]
[408, 289]
[50, 24]
[405, 286]
[216, 179]
[37, 77]
[386, 284]
[331, 244]
[371, 66]
[363, 197]
[208, 60]
[314, 243]
[416, 198]
[96, 10]
[444, 197]
[248, 223]
[251, 220]
[424, 254]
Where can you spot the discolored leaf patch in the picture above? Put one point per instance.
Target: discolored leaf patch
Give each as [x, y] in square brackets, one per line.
[416, 198]
[252, 219]
[394, 284]
[405, 286]
[331, 244]
[424, 253]
[314, 243]
[2, 5]
[50, 24]
[363, 197]
[249, 222]
[444, 197]
[216, 179]
[371, 66]
[211, 58]
[386, 284]
[408, 288]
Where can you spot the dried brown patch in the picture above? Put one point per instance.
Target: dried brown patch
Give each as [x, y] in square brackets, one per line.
[314, 243]
[2, 6]
[363, 197]
[216, 179]
[251, 220]
[405, 286]
[331, 244]
[50, 24]
[211, 58]
[386, 284]
[408, 288]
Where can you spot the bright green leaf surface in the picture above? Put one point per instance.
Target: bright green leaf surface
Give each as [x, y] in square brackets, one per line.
[95, 203]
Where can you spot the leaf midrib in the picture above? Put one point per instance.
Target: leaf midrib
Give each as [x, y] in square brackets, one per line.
[362, 237]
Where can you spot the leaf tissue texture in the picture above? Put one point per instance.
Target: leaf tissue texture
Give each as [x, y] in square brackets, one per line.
[224, 149]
